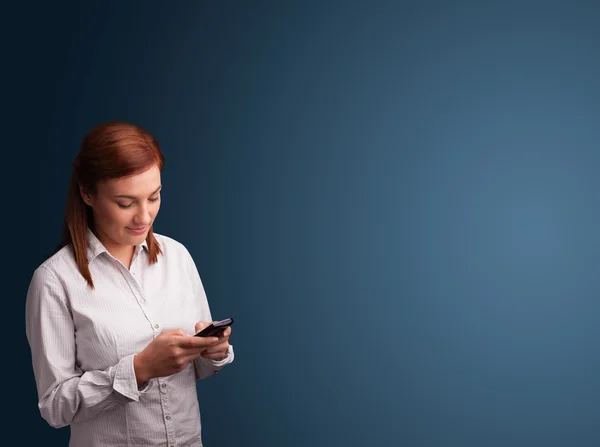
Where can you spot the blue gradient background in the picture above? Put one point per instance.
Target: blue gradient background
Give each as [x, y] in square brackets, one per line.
[397, 201]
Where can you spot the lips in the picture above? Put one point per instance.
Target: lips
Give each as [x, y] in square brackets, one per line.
[141, 230]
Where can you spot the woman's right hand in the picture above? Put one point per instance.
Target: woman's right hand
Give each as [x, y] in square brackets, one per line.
[168, 354]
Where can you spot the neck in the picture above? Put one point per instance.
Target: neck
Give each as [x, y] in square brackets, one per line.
[123, 253]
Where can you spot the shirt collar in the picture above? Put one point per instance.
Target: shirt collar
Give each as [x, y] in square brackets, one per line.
[96, 248]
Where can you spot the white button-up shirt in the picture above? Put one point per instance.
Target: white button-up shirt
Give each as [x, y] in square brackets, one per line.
[83, 342]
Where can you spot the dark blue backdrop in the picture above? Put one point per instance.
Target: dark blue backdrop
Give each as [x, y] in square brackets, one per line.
[397, 201]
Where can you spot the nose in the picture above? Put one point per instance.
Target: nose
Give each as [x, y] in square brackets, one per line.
[142, 217]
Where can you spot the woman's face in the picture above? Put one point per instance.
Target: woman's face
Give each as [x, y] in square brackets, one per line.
[125, 208]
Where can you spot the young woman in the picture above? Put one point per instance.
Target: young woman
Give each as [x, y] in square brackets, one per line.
[110, 317]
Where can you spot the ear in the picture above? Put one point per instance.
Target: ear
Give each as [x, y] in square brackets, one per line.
[85, 196]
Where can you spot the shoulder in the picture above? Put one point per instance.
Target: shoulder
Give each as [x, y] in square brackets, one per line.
[61, 261]
[172, 248]
[49, 274]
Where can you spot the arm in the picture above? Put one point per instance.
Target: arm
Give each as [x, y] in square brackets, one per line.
[204, 367]
[66, 393]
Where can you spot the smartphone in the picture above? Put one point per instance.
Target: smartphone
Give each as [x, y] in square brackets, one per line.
[215, 329]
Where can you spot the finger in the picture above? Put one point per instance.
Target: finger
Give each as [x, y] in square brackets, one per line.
[171, 332]
[215, 355]
[223, 339]
[190, 351]
[221, 347]
[197, 342]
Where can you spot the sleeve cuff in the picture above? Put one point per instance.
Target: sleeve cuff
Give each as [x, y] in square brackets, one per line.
[125, 382]
[205, 367]
[223, 362]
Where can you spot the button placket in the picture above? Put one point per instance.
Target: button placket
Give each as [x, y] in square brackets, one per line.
[137, 284]
[166, 406]
[136, 290]
[130, 279]
[163, 388]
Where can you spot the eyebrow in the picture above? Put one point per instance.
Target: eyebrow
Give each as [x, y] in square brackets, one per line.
[135, 198]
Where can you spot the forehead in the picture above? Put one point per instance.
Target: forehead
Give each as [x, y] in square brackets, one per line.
[139, 184]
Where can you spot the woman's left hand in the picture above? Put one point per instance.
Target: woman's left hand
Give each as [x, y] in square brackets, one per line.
[221, 349]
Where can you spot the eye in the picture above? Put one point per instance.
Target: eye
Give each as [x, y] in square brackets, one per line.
[125, 206]
[154, 199]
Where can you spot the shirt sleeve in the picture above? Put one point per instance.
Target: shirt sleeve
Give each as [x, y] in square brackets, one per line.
[205, 367]
[66, 393]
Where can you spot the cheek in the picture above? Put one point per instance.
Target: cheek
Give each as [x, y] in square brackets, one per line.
[102, 215]
[117, 217]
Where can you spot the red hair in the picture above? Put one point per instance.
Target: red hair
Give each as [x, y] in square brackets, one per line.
[110, 150]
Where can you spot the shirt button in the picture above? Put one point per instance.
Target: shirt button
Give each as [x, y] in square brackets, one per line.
[168, 418]
[164, 385]
[156, 326]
